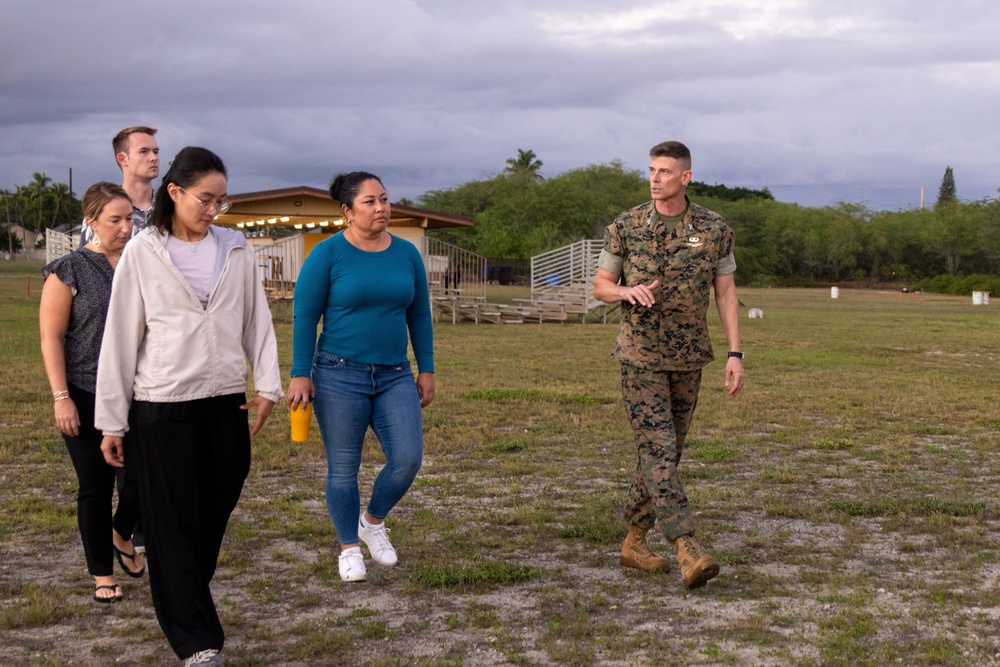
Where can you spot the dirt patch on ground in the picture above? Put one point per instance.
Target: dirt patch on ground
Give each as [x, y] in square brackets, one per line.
[790, 588]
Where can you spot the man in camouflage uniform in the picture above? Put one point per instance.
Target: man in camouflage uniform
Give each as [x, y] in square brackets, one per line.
[670, 253]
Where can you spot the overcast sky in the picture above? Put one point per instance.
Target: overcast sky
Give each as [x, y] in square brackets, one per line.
[822, 102]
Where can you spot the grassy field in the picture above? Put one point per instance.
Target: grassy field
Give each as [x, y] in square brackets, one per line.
[850, 494]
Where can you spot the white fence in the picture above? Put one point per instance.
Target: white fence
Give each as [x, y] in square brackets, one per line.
[280, 260]
[568, 269]
[452, 271]
[58, 244]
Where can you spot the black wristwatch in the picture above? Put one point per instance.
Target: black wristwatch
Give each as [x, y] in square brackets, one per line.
[738, 355]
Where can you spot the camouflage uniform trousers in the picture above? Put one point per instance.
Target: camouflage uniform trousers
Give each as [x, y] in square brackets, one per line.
[660, 406]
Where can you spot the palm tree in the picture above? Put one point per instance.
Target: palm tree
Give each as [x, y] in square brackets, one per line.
[13, 243]
[47, 203]
[61, 196]
[526, 162]
[37, 195]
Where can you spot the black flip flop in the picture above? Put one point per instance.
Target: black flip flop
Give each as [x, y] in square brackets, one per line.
[121, 561]
[110, 600]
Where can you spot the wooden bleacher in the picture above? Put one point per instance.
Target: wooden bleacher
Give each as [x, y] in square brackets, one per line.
[561, 291]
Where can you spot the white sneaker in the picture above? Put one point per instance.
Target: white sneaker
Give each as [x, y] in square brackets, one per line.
[207, 657]
[377, 540]
[352, 565]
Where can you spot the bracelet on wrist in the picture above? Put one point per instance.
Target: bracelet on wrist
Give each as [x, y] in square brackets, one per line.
[63, 392]
[62, 398]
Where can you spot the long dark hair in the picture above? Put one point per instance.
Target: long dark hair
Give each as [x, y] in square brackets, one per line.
[345, 186]
[186, 169]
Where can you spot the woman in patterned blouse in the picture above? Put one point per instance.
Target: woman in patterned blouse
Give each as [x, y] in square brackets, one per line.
[73, 308]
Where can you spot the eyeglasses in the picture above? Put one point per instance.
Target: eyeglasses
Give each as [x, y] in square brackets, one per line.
[207, 206]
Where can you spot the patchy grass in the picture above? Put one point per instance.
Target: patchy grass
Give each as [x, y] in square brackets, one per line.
[481, 576]
[849, 495]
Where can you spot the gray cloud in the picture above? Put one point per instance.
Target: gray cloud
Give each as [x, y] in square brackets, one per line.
[821, 102]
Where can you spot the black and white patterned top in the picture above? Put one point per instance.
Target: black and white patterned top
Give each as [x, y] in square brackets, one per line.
[89, 275]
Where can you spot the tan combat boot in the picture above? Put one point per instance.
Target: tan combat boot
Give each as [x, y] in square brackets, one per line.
[636, 554]
[696, 568]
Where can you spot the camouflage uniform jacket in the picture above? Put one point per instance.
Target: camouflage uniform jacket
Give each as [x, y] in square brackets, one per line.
[673, 333]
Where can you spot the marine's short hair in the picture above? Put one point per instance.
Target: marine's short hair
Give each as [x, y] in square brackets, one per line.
[674, 149]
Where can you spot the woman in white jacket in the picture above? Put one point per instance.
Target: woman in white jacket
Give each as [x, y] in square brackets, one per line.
[187, 314]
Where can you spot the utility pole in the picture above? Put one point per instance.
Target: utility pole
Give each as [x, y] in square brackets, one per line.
[10, 236]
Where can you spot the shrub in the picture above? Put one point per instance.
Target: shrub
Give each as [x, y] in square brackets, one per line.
[959, 285]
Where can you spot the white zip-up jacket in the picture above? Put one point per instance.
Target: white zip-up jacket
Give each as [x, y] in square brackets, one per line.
[161, 345]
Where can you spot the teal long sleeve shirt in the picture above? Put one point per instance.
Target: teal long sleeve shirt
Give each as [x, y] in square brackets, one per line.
[368, 301]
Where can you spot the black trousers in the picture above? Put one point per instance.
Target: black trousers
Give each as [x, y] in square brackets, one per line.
[96, 490]
[193, 457]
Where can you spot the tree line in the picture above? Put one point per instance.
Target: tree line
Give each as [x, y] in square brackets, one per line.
[953, 246]
[41, 204]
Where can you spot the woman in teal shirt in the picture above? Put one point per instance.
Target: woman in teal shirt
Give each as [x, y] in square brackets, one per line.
[370, 289]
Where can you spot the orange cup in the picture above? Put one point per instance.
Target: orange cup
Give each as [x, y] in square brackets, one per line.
[301, 416]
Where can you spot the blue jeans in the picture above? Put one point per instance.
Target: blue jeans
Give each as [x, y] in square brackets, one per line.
[350, 397]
